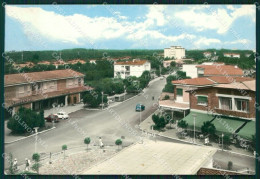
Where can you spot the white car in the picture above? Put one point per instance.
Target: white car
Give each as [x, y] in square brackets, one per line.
[62, 115]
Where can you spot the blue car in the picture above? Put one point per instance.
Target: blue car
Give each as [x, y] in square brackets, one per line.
[139, 107]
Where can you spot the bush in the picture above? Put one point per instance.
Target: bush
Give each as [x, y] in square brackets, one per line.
[36, 157]
[27, 116]
[159, 121]
[166, 97]
[64, 148]
[182, 124]
[230, 165]
[208, 128]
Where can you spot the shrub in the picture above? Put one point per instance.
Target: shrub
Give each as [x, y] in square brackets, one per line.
[118, 142]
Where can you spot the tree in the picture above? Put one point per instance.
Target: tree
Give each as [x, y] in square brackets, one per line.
[182, 124]
[36, 159]
[27, 116]
[166, 97]
[10, 161]
[118, 142]
[42, 120]
[87, 141]
[208, 128]
[64, 148]
[226, 140]
[173, 64]
[94, 99]
[159, 121]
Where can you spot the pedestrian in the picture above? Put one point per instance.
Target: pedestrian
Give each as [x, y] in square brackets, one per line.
[27, 164]
[101, 143]
[153, 97]
[15, 165]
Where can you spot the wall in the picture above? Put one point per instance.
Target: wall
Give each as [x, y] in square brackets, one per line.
[190, 70]
[213, 102]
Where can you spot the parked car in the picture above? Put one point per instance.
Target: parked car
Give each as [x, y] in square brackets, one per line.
[52, 117]
[62, 115]
[139, 107]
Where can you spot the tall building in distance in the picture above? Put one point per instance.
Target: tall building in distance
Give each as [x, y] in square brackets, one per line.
[176, 52]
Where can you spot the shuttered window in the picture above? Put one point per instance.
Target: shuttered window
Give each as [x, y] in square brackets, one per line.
[202, 100]
[179, 92]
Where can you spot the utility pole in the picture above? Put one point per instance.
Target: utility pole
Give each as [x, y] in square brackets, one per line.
[102, 100]
[222, 140]
[194, 119]
[36, 138]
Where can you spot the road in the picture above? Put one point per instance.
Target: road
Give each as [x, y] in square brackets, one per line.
[94, 124]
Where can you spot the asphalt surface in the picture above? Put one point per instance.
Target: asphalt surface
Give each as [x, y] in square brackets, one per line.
[110, 124]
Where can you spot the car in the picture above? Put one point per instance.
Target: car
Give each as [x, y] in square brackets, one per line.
[62, 115]
[52, 117]
[139, 107]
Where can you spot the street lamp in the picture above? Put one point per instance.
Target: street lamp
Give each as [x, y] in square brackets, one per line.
[222, 140]
[140, 113]
[194, 117]
[102, 99]
[36, 138]
[124, 92]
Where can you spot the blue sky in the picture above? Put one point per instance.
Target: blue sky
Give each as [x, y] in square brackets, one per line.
[55, 27]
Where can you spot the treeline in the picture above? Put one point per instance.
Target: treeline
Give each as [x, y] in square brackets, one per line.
[77, 53]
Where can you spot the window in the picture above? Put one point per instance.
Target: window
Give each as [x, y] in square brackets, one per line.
[179, 92]
[225, 103]
[242, 105]
[79, 81]
[202, 100]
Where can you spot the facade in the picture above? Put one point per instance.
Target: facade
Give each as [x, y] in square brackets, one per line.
[218, 70]
[234, 99]
[44, 63]
[92, 61]
[76, 61]
[190, 69]
[232, 55]
[167, 63]
[41, 90]
[176, 52]
[135, 67]
[183, 89]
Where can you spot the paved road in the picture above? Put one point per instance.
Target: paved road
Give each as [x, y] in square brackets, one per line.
[96, 124]
[92, 124]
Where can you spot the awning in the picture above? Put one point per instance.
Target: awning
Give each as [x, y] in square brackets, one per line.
[247, 131]
[199, 119]
[227, 125]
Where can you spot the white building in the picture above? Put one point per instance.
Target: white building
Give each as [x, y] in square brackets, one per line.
[135, 67]
[174, 51]
[233, 55]
[190, 69]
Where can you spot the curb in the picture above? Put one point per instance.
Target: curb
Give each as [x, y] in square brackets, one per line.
[191, 142]
[29, 136]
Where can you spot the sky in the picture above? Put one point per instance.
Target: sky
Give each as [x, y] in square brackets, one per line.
[56, 27]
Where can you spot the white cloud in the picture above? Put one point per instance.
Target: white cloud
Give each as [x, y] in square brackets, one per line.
[156, 14]
[203, 41]
[71, 29]
[209, 18]
[240, 41]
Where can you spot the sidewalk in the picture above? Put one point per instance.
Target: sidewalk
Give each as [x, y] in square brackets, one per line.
[76, 160]
[172, 133]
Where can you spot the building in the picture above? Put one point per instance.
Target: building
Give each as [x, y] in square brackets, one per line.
[218, 70]
[167, 63]
[44, 63]
[191, 70]
[247, 55]
[232, 55]
[183, 88]
[140, 159]
[92, 61]
[176, 52]
[41, 90]
[22, 65]
[231, 99]
[229, 107]
[75, 61]
[207, 54]
[135, 67]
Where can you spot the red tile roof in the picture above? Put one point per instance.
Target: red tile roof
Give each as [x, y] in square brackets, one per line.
[33, 98]
[221, 70]
[246, 85]
[13, 79]
[134, 62]
[211, 80]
